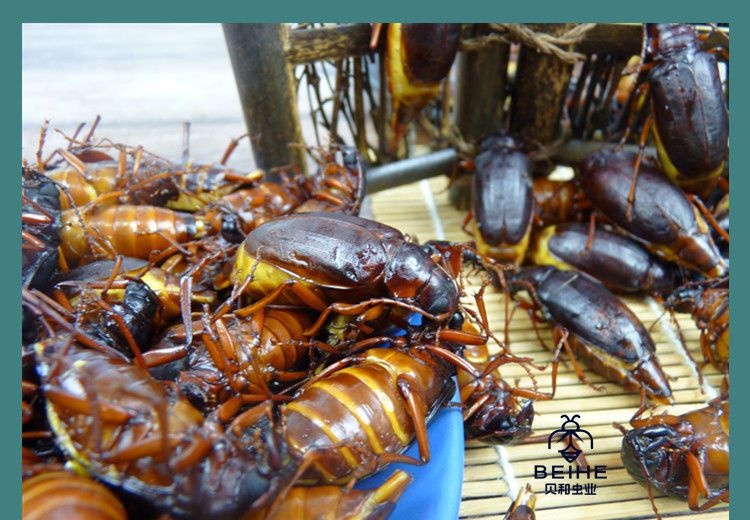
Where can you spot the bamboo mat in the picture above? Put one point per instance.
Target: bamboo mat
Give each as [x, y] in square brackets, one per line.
[492, 475]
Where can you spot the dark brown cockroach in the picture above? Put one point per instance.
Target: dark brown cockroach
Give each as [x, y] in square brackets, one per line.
[593, 324]
[708, 302]
[116, 325]
[364, 410]
[104, 275]
[523, 506]
[235, 359]
[199, 185]
[688, 111]
[338, 186]
[91, 176]
[40, 230]
[493, 412]
[418, 57]
[662, 215]
[135, 231]
[140, 435]
[253, 206]
[685, 456]
[502, 203]
[338, 263]
[556, 202]
[39, 453]
[620, 263]
[338, 503]
[63, 494]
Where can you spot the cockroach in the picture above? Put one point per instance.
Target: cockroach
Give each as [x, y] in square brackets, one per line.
[339, 185]
[135, 231]
[708, 302]
[140, 435]
[333, 262]
[339, 503]
[523, 506]
[688, 110]
[63, 494]
[105, 274]
[662, 216]
[364, 410]
[199, 185]
[234, 359]
[620, 263]
[40, 229]
[685, 456]
[38, 449]
[136, 313]
[418, 57]
[99, 179]
[79, 190]
[116, 327]
[253, 206]
[556, 202]
[502, 203]
[593, 324]
[493, 412]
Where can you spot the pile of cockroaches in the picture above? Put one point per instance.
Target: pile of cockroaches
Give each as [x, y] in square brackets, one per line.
[199, 342]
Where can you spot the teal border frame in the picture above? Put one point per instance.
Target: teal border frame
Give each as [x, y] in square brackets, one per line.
[339, 11]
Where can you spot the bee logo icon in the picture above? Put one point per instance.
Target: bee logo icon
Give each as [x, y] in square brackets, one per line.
[570, 431]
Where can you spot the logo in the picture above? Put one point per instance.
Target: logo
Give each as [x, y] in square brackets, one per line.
[570, 431]
[576, 477]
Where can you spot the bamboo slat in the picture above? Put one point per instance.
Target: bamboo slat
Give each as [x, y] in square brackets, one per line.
[492, 475]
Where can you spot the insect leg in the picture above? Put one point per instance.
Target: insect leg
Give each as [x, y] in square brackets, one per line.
[416, 409]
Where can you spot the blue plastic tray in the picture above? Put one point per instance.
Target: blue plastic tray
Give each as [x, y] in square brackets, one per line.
[435, 492]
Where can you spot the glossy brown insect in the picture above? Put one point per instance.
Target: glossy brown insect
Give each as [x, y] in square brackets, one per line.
[133, 432]
[689, 110]
[502, 203]
[91, 176]
[685, 456]
[234, 359]
[134, 231]
[337, 263]
[200, 184]
[556, 202]
[523, 506]
[364, 410]
[254, 206]
[113, 277]
[418, 57]
[339, 503]
[338, 186]
[40, 229]
[662, 216]
[63, 494]
[620, 263]
[591, 323]
[709, 304]
[493, 411]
